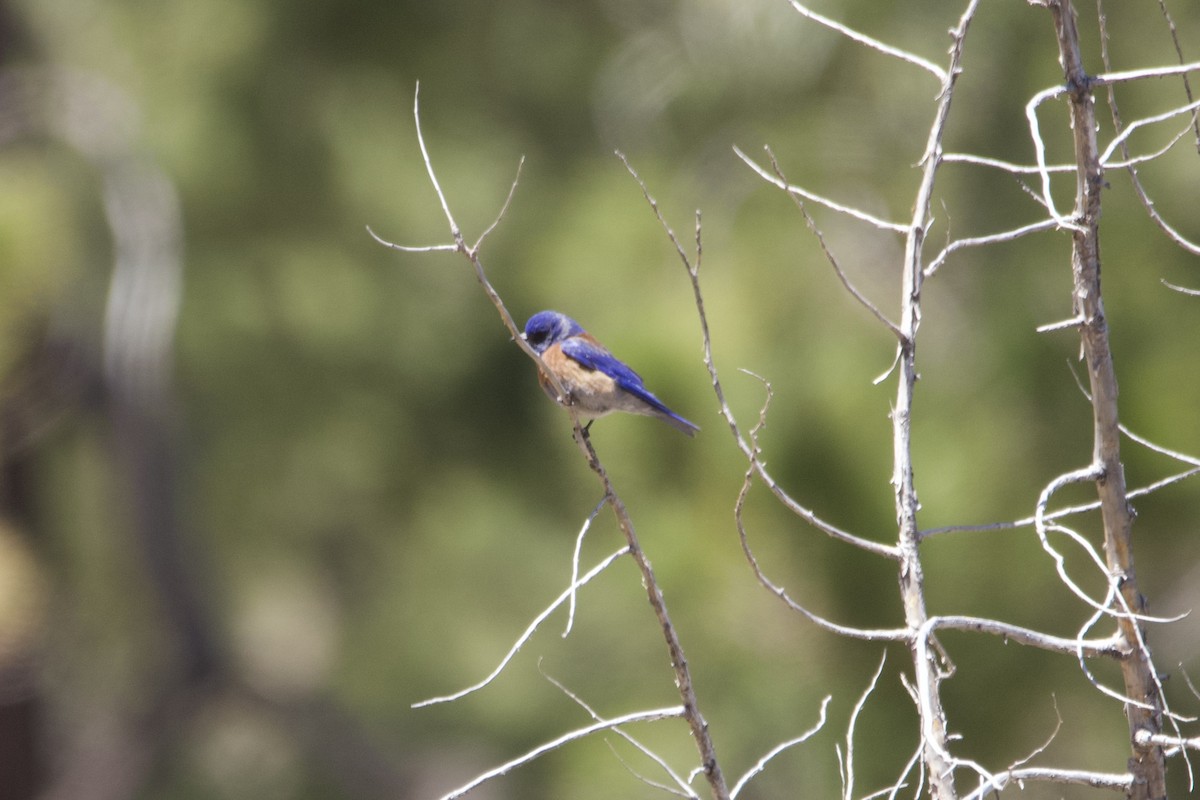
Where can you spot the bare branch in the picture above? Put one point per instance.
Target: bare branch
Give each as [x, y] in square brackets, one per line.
[1125, 76]
[1039, 149]
[471, 253]
[1187, 86]
[850, 211]
[848, 771]
[1107, 79]
[1005, 166]
[1112, 647]
[1144, 738]
[428, 248]
[1130, 165]
[683, 680]
[1031, 169]
[512, 190]
[529, 631]
[1061, 325]
[566, 738]
[894, 789]
[437, 187]
[1182, 290]
[679, 664]
[659, 215]
[934, 740]
[896, 634]
[587, 523]
[1060, 513]
[1120, 782]
[1143, 441]
[648, 781]
[774, 751]
[684, 789]
[837, 268]
[693, 270]
[1122, 139]
[991, 238]
[874, 44]
[1042, 526]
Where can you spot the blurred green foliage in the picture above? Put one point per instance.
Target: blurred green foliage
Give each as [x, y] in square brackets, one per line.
[380, 498]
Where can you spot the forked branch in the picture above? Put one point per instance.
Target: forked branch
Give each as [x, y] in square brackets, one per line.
[690, 710]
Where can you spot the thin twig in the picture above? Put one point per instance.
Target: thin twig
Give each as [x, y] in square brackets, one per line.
[1145, 738]
[1005, 166]
[1083, 475]
[693, 270]
[529, 631]
[587, 523]
[848, 771]
[874, 44]
[428, 248]
[1026, 522]
[1112, 646]
[455, 232]
[683, 676]
[1039, 150]
[512, 190]
[1126, 76]
[1121, 140]
[1187, 86]
[1121, 781]
[684, 789]
[1106, 79]
[1182, 289]
[779, 748]
[662, 787]
[1031, 169]
[895, 634]
[850, 211]
[566, 738]
[991, 238]
[829, 256]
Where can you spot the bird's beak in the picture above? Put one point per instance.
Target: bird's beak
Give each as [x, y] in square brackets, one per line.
[522, 335]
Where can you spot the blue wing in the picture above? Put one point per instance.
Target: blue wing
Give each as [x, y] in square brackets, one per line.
[591, 354]
[583, 349]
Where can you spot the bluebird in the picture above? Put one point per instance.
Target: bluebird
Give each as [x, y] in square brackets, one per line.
[596, 381]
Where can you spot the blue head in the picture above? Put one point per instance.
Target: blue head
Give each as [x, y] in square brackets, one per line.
[547, 328]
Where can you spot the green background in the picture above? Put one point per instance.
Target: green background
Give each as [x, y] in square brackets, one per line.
[375, 498]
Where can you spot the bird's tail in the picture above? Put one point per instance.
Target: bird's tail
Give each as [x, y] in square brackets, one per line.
[679, 422]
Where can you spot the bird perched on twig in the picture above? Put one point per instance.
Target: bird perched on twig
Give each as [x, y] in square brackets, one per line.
[596, 382]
